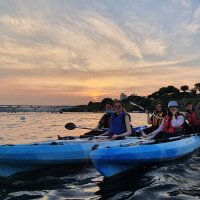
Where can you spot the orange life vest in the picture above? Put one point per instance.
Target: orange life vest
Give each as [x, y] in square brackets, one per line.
[157, 118]
[168, 125]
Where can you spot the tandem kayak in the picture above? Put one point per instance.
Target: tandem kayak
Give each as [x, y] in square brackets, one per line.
[24, 157]
[117, 159]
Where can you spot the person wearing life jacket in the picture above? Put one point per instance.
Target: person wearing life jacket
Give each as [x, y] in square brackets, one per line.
[104, 122]
[171, 126]
[156, 118]
[119, 122]
[191, 117]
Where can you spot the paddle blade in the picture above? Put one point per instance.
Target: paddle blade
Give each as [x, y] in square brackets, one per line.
[70, 126]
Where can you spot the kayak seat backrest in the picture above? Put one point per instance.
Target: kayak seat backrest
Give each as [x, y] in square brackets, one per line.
[66, 138]
[56, 143]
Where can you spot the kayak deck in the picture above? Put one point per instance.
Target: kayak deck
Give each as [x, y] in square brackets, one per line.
[119, 158]
[25, 157]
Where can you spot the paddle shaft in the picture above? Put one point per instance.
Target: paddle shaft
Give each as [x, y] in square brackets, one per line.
[72, 126]
[94, 137]
[145, 141]
[144, 109]
[92, 129]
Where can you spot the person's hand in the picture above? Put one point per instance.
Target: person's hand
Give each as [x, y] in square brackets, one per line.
[175, 111]
[144, 135]
[115, 136]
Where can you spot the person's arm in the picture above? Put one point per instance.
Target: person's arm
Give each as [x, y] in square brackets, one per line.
[159, 129]
[177, 121]
[188, 118]
[149, 121]
[104, 134]
[128, 126]
[98, 126]
[100, 123]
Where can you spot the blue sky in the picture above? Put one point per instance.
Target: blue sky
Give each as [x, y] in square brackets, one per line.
[73, 51]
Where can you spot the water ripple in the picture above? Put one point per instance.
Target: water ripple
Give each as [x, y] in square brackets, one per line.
[178, 179]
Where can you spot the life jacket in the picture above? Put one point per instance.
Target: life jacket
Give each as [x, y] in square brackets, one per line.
[189, 118]
[155, 120]
[168, 125]
[105, 121]
[117, 124]
[196, 121]
[192, 118]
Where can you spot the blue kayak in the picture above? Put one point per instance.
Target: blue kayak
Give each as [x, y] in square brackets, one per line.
[24, 157]
[113, 160]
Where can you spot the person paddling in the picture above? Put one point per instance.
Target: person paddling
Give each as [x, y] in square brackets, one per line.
[171, 126]
[119, 122]
[156, 118]
[104, 122]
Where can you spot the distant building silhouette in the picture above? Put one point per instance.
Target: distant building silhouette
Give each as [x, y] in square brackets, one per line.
[123, 96]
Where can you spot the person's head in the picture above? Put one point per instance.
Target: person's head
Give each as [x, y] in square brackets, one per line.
[158, 106]
[188, 106]
[172, 106]
[118, 106]
[109, 107]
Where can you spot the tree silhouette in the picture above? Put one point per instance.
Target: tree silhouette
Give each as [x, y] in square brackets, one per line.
[197, 86]
[184, 88]
[165, 93]
[193, 92]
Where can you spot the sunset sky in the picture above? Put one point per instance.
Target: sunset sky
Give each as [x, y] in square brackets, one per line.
[69, 52]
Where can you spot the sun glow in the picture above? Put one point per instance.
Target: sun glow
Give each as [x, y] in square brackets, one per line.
[96, 95]
[95, 99]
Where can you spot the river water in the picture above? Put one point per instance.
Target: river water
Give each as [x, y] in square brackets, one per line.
[179, 179]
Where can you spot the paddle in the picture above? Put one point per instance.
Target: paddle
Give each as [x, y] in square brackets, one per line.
[90, 137]
[134, 104]
[136, 141]
[146, 141]
[72, 126]
[139, 141]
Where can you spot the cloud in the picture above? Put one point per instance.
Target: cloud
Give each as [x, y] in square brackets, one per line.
[62, 49]
[155, 47]
[20, 25]
[111, 33]
[194, 26]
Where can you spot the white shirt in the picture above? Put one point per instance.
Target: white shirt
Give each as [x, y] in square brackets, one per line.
[176, 122]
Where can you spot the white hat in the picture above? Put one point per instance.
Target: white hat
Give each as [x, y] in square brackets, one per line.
[172, 104]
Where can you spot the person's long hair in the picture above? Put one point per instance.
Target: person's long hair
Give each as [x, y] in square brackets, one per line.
[123, 109]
